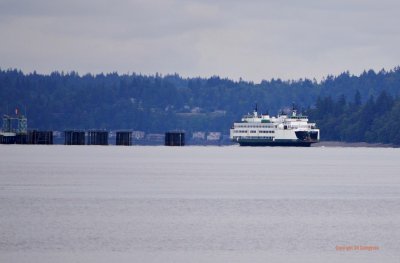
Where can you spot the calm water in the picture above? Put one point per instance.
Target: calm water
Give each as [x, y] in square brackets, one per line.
[198, 204]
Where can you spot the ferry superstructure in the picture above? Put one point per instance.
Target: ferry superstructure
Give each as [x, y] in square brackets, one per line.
[283, 130]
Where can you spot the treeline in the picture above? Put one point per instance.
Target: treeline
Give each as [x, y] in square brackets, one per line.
[148, 103]
[158, 103]
[376, 121]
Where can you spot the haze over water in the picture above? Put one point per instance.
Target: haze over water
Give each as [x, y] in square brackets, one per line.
[198, 204]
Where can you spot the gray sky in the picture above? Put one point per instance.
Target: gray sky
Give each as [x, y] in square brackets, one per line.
[254, 40]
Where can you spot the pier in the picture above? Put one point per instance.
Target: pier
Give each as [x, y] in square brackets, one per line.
[97, 137]
[123, 138]
[40, 137]
[74, 137]
[15, 131]
[175, 138]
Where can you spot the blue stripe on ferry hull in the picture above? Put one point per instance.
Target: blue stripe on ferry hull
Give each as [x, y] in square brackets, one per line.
[258, 142]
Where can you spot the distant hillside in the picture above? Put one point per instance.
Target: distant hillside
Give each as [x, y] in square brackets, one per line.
[158, 103]
[376, 121]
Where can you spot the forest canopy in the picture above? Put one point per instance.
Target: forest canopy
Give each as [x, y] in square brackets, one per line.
[346, 107]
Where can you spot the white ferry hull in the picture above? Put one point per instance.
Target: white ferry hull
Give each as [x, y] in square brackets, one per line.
[261, 142]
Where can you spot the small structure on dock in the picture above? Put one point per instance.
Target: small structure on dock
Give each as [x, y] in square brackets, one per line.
[97, 137]
[40, 137]
[14, 129]
[74, 137]
[175, 138]
[123, 138]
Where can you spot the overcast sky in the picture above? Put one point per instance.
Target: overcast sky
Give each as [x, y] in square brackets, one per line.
[254, 40]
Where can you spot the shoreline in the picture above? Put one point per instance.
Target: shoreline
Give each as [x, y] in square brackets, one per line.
[353, 144]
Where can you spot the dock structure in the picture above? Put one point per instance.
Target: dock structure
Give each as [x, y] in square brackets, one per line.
[175, 138]
[72, 137]
[7, 138]
[123, 138]
[97, 137]
[14, 130]
[40, 137]
[21, 138]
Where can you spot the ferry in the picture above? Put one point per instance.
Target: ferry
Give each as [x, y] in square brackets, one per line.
[283, 130]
